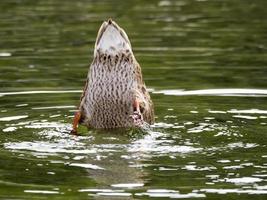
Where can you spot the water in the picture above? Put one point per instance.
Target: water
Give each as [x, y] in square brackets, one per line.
[205, 63]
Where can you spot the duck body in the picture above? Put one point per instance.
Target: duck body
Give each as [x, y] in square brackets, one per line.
[114, 95]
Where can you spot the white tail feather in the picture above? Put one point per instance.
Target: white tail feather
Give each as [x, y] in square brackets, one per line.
[112, 39]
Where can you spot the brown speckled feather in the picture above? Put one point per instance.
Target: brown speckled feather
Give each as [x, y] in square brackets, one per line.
[113, 83]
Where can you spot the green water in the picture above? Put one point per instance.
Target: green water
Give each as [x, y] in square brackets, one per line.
[205, 63]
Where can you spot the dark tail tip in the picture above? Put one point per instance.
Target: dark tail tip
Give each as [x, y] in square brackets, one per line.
[109, 21]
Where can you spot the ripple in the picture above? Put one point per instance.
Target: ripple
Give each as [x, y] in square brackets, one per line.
[40, 92]
[152, 143]
[41, 191]
[251, 111]
[243, 92]
[237, 191]
[164, 3]
[128, 185]
[243, 180]
[39, 125]
[223, 161]
[99, 190]
[64, 146]
[217, 111]
[9, 129]
[242, 145]
[106, 192]
[245, 117]
[87, 166]
[169, 193]
[151, 193]
[121, 194]
[6, 119]
[164, 149]
[53, 107]
[196, 168]
[162, 125]
[217, 92]
[5, 54]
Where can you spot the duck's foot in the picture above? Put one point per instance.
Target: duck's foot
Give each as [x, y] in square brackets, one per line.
[137, 115]
[75, 123]
[137, 119]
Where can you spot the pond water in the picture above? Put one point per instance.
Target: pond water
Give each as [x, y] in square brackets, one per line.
[205, 63]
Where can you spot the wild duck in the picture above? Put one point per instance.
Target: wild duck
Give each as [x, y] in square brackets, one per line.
[114, 95]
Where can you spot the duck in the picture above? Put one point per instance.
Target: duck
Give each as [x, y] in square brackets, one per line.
[115, 94]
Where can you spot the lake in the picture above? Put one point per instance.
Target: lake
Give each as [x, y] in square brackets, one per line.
[205, 64]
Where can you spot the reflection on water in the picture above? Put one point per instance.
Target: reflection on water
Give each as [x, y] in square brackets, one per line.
[205, 65]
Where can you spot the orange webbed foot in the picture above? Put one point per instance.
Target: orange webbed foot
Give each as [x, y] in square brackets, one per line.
[75, 123]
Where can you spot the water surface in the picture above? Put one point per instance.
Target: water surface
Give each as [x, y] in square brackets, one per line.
[205, 63]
